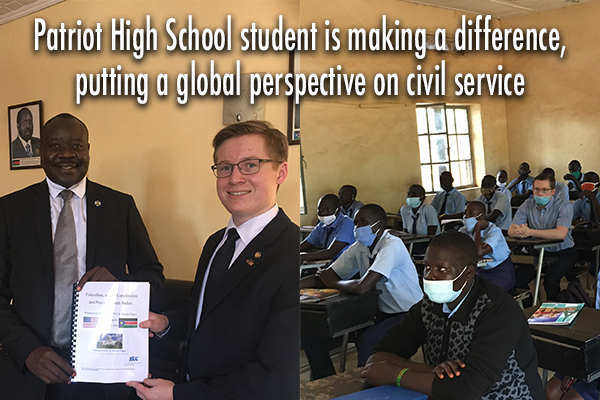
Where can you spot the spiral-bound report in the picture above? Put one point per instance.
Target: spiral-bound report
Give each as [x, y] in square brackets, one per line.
[107, 344]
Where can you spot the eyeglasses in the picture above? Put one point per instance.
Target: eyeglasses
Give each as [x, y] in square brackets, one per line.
[540, 190]
[246, 167]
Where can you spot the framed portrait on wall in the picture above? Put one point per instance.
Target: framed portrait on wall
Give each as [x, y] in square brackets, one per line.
[24, 128]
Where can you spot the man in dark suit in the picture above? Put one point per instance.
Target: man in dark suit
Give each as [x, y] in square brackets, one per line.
[241, 330]
[111, 241]
[25, 145]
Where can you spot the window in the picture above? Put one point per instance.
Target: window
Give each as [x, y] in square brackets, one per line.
[444, 144]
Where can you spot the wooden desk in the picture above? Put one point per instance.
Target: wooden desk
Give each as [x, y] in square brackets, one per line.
[573, 350]
[538, 244]
[339, 316]
[350, 386]
[410, 239]
[308, 265]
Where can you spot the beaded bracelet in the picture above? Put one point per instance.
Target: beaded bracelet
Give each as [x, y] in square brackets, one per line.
[400, 377]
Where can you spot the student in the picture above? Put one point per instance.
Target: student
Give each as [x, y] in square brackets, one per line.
[332, 235]
[521, 186]
[474, 336]
[574, 178]
[561, 190]
[348, 204]
[417, 217]
[448, 201]
[490, 243]
[497, 205]
[546, 217]
[241, 324]
[502, 177]
[587, 208]
[383, 263]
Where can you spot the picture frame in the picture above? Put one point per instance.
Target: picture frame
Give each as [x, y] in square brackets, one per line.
[24, 135]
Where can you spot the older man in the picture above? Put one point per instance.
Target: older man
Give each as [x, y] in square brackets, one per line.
[25, 145]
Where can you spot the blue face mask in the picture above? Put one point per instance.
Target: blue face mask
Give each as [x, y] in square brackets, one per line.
[364, 234]
[470, 223]
[413, 202]
[542, 201]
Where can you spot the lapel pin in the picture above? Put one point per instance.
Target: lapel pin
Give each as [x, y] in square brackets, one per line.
[250, 262]
[97, 203]
[258, 254]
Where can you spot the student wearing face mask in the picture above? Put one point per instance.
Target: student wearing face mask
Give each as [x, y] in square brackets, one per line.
[475, 339]
[587, 208]
[574, 179]
[383, 263]
[501, 178]
[491, 244]
[497, 205]
[332, 235]
[546, 217]
[419, 218]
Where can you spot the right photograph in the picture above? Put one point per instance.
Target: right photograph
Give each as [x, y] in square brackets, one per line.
[448, 206]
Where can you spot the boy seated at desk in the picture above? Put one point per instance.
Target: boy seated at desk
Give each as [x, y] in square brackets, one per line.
[491, 244]
[348, 204]
[332, 235]
[501, 178]
[448, 201]
[419, 218]
[521, 186]
[497, 205]
[574, 178]
[383, 263]
[474, 336]
[546, 217]
[587, 207]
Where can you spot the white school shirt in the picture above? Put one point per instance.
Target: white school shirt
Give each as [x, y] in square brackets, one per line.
[79, 207]
[247, 231]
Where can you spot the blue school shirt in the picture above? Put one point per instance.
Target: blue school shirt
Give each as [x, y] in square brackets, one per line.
[561, 191]
[492, 235]
[426, 216]
[583, 208]
[522, 187]
[499, 201]
[455, 204]
[352, 209]
[341, 230]
[556, 213]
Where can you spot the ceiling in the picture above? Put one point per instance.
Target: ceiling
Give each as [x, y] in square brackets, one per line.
[14, 9]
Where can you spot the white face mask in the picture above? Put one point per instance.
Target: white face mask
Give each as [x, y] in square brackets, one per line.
[327, 219]
[442, 291]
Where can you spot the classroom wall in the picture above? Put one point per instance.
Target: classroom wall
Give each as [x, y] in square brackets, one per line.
[160, 152]
[371, 142]
[559, 117]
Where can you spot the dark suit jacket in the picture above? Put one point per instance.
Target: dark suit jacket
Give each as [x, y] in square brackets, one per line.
[116, 239]
[247, 343]
[18, 151]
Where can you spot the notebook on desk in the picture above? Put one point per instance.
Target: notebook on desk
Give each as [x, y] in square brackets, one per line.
[384, 392]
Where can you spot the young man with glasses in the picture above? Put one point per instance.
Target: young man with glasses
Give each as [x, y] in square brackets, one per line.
[547, 217]
[241, 325]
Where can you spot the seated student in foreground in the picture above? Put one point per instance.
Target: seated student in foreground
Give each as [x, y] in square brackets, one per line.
[448, 201]
[490, 244]
[497, 205]
[419, 218]
[521, 186]
[383, 263]
[332, 235]
[501, 178]
[546, 217]
[560, 189]
[475, 338]
[348, 204]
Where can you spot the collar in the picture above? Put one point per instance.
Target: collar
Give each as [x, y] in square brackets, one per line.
[251, 228]
[78, 189]
[451, 191]
[377, 247]
[24, 143]
[412, 210]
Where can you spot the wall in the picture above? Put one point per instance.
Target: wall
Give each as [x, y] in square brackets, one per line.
[160, 152]
[371, 142]
[558, 118]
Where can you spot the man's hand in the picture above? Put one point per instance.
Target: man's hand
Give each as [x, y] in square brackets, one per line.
[153, 389]
[523, 230]
[588, 194]
[49, 366]
[327, 276]
[95, 274]
[380, 373]
[481, 225]
[155, 323]
[569, 177]
[449, 368]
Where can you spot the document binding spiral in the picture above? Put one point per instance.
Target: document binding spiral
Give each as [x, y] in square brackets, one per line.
[74, 323]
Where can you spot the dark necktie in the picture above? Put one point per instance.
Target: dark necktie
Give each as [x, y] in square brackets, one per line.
[443, 208]
[414, 227]
[28, 148]
[65, 272]
[220, 264]
[489, 207]
[523, 187]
